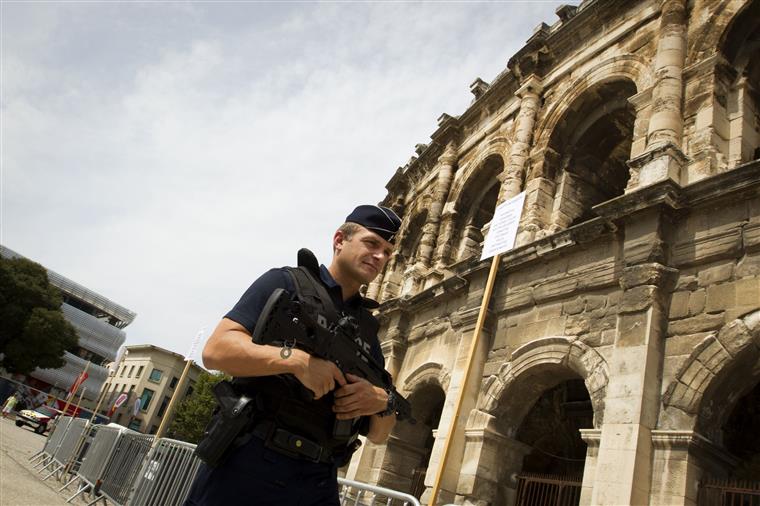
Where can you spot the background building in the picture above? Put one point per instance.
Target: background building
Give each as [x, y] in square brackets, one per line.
[149, 374]
[99, 324]
[621, 353]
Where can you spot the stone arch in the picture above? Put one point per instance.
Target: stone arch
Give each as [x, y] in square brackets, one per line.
[409, 446]
[536, 372]
[713, 32]
[549, 361]
[426, 374]
[629, 67]
[473, 201]
[702, 394]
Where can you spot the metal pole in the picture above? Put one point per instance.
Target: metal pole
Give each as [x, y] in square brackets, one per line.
[165, 420]
[466, 380]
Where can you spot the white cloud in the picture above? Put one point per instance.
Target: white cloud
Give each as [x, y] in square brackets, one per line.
[166, 154]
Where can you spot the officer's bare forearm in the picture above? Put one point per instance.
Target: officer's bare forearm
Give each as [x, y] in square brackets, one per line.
[380, 428]
[230, 350]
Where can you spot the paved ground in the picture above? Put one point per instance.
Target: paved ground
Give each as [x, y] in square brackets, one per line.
[19, 483]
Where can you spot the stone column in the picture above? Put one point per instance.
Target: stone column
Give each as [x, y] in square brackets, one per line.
[514, 172]
[633, 394]
[391, 283]
[445, 237]
[664, 158]
[440, 194]
[681, 459]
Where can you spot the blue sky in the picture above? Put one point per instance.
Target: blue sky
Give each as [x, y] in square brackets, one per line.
[164, 154]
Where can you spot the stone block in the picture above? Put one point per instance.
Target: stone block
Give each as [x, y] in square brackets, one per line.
[687, 282]
[595, 302]
[694, 325]
[748, 292]
[749, 265]
[608, 337]
[632, 329]
[573, 307]
[714, 356]
[679, 305]
[637, 299]
[716, 274]
[576, 325]
[734, 337]
[548, 311]
[683, 344]
[720, 297]
[697, 302]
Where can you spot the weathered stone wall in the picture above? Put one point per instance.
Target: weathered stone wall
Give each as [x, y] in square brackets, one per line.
[633, 129]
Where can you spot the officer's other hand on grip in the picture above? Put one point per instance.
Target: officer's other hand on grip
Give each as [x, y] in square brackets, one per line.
[357, 398]
[319, 376]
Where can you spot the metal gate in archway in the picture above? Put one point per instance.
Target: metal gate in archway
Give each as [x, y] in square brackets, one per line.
[548, 490]
[729, 492]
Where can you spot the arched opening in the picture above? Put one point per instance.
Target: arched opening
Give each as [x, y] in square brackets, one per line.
[410, 446]
[552, 427]
[476, 207]
[587, 152]
[552, 468]
[740, 47]
[741, 436]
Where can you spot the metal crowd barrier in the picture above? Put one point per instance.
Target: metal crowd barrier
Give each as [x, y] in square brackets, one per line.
[166, 475]
[69, 445]
[354, 491]
[95, 461]
[118, 465]
[122, 470]
[52, 441]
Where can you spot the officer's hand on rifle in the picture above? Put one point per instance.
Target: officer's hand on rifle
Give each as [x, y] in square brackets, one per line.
[358, 397]
[316, 374]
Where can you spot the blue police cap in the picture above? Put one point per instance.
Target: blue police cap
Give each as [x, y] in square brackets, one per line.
[381, 220]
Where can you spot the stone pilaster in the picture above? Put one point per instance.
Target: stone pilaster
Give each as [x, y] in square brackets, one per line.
[665, 158]
[491, 462]
[632, 403]
[592, 438]
[450, 479]
[681, 458]
[431, 230]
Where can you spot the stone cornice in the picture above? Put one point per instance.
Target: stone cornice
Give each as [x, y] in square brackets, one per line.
[743, 178]
[693, 442]
[665, 193]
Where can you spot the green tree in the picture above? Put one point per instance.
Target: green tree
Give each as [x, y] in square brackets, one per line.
[33, 331]
[194, 413]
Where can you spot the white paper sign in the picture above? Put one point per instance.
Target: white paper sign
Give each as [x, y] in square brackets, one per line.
[503, 229]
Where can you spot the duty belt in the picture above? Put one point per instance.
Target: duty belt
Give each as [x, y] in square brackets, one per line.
[290, 444]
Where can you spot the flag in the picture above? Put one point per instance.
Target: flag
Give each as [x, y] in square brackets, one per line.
[77, 383]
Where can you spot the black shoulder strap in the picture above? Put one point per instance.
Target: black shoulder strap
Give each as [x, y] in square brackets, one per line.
[307, 284]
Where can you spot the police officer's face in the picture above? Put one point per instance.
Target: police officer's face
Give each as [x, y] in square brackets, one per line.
[364, 255]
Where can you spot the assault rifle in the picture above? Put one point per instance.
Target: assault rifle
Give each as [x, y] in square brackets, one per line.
[288, 322]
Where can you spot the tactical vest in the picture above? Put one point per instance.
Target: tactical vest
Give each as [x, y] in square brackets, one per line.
[285, 402]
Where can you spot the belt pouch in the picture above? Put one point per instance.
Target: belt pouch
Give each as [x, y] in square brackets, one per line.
[231, 417]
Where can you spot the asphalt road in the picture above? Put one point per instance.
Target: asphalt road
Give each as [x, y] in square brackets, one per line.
[20, 484]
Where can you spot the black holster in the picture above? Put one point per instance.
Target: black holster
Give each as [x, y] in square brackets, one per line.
[232, 418]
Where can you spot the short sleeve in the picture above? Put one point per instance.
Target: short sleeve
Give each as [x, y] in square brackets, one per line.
[247, 310]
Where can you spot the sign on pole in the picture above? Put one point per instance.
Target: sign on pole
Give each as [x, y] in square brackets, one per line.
[503, 229]
[501, 237]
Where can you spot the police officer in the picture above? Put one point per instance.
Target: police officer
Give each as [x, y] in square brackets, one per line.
[260, 472]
